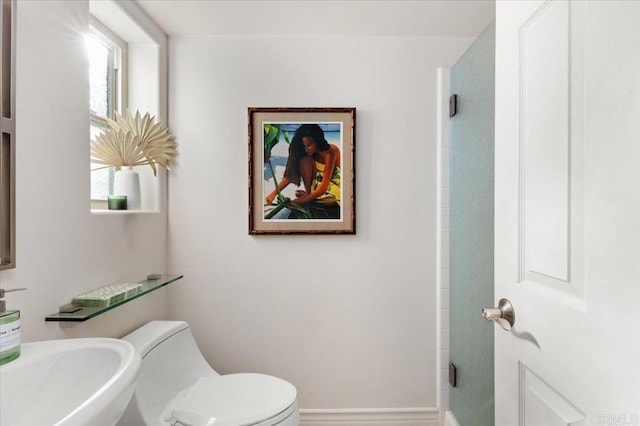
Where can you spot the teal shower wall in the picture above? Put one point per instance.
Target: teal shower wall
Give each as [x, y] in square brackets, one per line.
[471, 233]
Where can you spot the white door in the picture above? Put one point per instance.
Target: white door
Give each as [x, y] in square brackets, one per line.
[567, 212]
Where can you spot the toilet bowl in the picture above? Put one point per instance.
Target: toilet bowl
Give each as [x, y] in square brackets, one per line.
[177, 387]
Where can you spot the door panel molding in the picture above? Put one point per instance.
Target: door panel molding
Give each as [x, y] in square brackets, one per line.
[541, 404]
[545, 144]
[552, 99]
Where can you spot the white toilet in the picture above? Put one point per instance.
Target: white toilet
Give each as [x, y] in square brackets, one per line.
[177, 387]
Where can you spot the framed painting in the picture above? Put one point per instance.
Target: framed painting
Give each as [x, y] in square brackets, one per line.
[302, 171]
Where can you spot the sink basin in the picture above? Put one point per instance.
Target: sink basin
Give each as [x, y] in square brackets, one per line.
[68, 382]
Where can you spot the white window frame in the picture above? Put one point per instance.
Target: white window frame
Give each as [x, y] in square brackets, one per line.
[119, 82]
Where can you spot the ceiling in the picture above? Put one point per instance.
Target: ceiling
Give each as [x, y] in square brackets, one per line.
[454, 18]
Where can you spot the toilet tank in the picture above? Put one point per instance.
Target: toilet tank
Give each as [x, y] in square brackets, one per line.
[171, 362]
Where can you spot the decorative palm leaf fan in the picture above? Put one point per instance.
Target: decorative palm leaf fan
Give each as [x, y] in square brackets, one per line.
[134, 141]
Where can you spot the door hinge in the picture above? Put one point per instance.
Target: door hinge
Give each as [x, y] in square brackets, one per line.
[453, 375]
[453, 105]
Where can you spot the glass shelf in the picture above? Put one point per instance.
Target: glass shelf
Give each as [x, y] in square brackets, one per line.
[86, 313]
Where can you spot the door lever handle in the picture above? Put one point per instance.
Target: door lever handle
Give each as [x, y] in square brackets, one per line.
[503, 315]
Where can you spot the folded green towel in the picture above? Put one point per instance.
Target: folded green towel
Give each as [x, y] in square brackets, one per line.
[107, 295]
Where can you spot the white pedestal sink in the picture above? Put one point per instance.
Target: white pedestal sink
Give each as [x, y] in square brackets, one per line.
[68, 382]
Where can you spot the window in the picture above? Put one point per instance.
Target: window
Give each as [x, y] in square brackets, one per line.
[137, 80]
[107, 78]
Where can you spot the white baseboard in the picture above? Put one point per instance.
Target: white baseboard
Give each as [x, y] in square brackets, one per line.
[371, 416]
[450, 419]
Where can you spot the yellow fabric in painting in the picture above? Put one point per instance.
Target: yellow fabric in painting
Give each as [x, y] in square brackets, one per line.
[333, 191]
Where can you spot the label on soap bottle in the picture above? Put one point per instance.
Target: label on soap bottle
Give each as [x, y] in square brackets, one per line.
[9, 335]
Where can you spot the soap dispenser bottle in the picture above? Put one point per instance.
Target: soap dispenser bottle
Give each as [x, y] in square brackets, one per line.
[9, 331]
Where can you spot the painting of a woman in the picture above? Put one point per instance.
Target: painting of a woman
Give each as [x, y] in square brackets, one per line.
[301, 170]
[315, 164]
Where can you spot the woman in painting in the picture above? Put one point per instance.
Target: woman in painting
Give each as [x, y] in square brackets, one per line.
[316, 163]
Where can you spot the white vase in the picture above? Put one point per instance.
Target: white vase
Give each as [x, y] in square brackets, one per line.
[127, 182]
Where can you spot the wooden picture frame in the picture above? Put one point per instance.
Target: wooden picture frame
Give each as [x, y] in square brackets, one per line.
[302, 170]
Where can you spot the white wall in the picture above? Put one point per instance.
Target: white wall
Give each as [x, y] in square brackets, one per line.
[62, 249]
[350, 320]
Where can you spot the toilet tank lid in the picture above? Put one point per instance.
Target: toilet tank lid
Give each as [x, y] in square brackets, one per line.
[153, 333]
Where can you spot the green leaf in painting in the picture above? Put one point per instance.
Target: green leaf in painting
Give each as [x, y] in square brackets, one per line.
[271, 137]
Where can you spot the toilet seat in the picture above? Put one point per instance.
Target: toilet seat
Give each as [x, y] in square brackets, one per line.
[232, 400]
